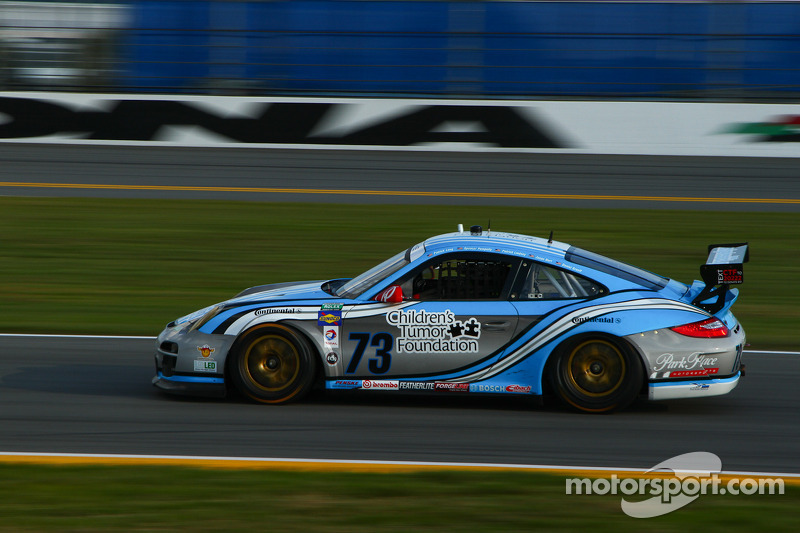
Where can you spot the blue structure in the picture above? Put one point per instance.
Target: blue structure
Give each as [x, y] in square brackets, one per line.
[464, 49]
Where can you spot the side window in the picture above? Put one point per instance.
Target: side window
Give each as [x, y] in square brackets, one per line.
[550, 283]
[460, 278]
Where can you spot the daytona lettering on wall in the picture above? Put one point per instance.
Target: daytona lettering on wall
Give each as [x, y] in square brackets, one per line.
[313, 122]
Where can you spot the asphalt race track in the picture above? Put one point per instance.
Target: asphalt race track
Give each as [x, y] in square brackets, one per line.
[377, 176]
[93, 395]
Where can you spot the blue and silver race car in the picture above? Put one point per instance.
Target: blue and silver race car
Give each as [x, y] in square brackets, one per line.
[472, 312]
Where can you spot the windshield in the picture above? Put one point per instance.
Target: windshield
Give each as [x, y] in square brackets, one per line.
[376, 274]
[616, 268]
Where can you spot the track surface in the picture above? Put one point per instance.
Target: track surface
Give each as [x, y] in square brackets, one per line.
[93, 395]
[565, 180]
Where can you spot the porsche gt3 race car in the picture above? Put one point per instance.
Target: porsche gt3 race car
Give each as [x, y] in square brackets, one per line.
[472, 312]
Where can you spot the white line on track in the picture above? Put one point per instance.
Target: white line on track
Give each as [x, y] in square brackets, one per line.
[57, 336]
[329, 464]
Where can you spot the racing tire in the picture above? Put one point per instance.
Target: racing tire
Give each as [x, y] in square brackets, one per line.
[272, 364]
[596, 374]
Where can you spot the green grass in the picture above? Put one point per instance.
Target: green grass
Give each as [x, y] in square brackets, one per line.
[144, 498]
[100, 266]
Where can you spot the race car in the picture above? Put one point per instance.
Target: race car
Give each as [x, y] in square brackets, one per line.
[472, 312]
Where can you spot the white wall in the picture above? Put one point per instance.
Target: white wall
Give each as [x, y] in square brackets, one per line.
[648, 128]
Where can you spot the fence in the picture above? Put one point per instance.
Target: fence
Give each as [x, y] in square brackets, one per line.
[446, 49]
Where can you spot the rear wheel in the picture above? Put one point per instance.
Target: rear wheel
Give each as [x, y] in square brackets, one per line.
[272, 364]
[597, 374]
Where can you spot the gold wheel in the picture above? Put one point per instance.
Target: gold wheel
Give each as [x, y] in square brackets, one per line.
[596, 368]
[272, 363]
[596, 373]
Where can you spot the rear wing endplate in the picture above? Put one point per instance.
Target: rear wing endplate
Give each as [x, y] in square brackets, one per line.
[723, 268]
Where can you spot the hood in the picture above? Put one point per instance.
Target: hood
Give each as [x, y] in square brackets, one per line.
[279, 293]
[300, 290]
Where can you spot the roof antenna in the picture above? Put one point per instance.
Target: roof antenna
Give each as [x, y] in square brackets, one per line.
[550, 240]
[489, 227]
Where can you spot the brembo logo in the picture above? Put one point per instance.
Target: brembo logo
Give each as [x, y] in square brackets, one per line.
[371, 384]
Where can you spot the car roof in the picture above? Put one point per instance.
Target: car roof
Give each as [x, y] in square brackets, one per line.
[494, 241]
[608, 271]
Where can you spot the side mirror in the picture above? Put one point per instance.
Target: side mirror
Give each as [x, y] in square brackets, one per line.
[390, 295]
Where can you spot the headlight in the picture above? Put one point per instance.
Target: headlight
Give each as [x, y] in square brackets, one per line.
[210, 313]
[204, 315]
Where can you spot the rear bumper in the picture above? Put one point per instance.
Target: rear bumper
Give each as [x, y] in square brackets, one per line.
[671, 390]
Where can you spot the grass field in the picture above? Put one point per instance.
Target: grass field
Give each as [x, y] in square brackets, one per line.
[101, 266]
[147, 498]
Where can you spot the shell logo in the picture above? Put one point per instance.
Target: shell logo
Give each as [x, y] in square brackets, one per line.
[206, 350]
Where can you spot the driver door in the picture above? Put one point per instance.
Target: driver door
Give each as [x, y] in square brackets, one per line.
[454, 313]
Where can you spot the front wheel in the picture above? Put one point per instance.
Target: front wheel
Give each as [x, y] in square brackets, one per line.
[272, 364]
[597, 374]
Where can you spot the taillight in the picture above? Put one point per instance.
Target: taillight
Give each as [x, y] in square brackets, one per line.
[709, 328]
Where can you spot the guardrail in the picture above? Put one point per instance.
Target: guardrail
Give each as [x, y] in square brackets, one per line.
[445, 49]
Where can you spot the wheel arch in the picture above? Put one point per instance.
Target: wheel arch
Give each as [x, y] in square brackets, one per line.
[317, 356]
[552, 358]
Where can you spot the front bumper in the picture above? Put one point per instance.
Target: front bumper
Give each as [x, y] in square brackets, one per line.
[191, 363]
[191, 385]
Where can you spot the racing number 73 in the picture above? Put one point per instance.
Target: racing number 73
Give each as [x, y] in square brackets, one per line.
[382, 342]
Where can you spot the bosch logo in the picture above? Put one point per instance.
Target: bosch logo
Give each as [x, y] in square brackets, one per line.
[486, 388]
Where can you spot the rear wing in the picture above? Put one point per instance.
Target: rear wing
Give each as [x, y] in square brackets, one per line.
[723, 268]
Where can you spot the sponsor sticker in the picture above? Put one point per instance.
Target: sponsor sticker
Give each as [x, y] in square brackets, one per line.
[596, 320]
[416, 385]
[206, 350]
[696, 361]
[329, 318]
[205, 365]
[424, 331]
[344, 384]
[331, 307]
[692, 373]
[380, 385]
[332, 358]
[519, 389]
[480, 387]
[279, 311]
[730, 276]
[331, 335]
[455, 387]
